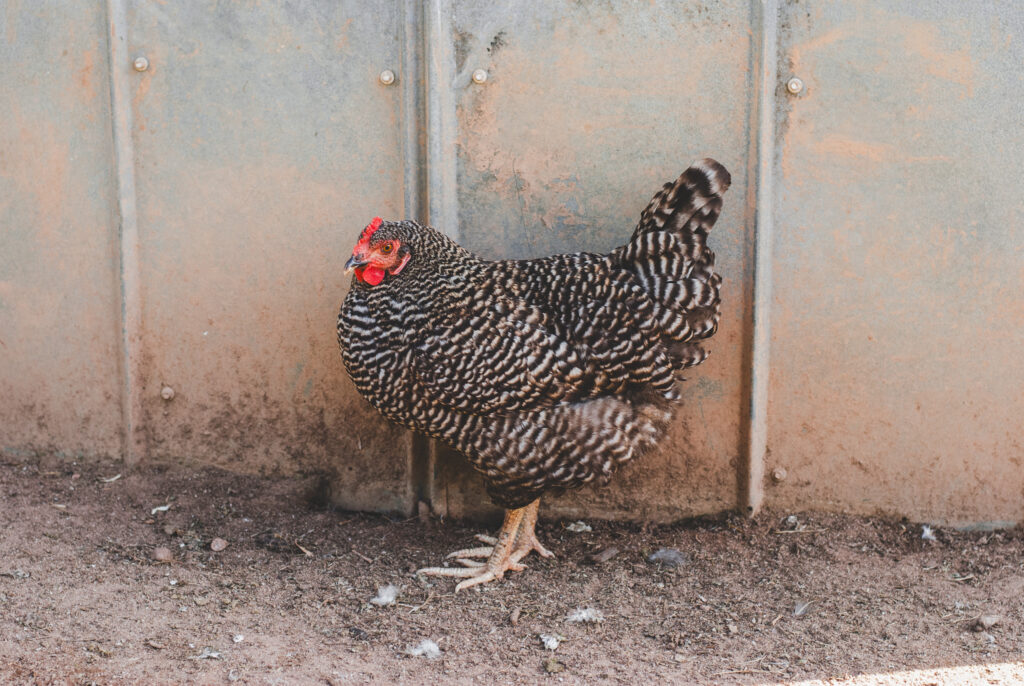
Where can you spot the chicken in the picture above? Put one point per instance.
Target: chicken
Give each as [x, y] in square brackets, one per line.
[546, 373]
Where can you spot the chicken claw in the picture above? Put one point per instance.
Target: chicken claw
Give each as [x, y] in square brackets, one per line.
[515, 540]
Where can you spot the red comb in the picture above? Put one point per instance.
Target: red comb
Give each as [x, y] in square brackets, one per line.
[371, 227]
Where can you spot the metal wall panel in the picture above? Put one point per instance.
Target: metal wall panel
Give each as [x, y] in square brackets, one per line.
[871, 243]
[59, 370]
[586, 110]
[897, 374]
[264, 142]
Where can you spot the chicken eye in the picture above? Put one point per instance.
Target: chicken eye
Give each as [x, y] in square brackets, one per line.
[386, 248]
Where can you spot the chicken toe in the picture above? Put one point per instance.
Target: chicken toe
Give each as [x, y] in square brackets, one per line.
[515, 540]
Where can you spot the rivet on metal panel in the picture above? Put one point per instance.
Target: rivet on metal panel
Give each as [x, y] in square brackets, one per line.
[387, 77]
[167, 393]
[779, 474]
[140, 64]
[479, 76]
[795, 86]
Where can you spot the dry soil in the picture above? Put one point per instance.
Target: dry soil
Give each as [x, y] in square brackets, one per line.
[775, 599]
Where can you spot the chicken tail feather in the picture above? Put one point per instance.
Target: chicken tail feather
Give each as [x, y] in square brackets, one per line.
[669, 256]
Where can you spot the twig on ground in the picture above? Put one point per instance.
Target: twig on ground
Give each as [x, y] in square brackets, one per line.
[430, 596]
[798, 531]
[963, 619]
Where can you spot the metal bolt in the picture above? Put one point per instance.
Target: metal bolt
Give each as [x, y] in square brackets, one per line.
[167, 393]
[795, 86]
[779, 474]
[387, 77]
[140, 64]
[480, 76]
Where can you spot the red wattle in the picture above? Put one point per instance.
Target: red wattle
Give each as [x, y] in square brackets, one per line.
[372, 275]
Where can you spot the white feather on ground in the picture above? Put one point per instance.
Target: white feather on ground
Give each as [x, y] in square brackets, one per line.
[385, 595]
[426, 648]
[585, 615]
[550, 641]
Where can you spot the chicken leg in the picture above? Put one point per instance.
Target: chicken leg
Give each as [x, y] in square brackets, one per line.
[515, 540]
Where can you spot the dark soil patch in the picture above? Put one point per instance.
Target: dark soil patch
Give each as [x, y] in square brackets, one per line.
[83, 600]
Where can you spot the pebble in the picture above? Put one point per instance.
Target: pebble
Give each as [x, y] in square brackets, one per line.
[553, 666]
[602, 556]
[218, 544]
[985, 622]
[162, 554]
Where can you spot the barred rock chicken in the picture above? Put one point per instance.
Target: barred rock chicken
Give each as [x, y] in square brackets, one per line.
[545, 373]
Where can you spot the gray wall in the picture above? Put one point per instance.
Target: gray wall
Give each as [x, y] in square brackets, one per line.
[184, 227]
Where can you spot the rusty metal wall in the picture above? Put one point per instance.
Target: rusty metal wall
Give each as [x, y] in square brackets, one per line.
[262, 143]
[59, 296]
[897, 379]
[178, 230]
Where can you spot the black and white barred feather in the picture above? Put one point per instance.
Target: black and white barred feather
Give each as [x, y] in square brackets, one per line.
[545, 373]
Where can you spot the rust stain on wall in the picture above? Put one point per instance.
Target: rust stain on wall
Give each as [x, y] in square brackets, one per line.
[957, 66]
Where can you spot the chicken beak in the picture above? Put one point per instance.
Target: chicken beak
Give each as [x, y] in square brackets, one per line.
[353, 263]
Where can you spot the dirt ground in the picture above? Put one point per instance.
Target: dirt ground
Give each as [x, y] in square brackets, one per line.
[763, 601]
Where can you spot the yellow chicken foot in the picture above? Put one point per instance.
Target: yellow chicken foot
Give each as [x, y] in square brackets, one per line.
[515, 540]
[527, 541]
[497, 564]
[470, 563]
[485, 551]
